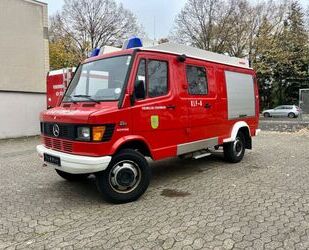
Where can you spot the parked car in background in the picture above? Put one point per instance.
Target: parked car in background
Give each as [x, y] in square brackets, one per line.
[291, 111]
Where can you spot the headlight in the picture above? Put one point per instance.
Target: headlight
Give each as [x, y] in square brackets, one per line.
[83, 133]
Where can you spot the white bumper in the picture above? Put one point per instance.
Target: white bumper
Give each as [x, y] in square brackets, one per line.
[75, 164]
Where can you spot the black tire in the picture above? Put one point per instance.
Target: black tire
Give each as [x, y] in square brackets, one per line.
[235, 151]
[266, 115]
[126, 178]
[291, 115]
[72, 177]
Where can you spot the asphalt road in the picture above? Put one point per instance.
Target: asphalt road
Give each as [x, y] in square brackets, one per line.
[262, 202]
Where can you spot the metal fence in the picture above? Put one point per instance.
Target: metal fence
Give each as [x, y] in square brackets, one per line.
[304, 103]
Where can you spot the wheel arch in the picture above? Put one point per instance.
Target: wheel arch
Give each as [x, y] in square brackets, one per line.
[244, 128]
[293, 114]
[132, 142]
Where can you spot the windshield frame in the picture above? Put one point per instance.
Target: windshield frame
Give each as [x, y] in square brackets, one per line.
[124, 86]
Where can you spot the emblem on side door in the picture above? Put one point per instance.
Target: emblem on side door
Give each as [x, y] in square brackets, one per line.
[56, 130]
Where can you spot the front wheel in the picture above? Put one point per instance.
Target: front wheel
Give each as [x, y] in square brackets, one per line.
[126, 178]
[235, 151]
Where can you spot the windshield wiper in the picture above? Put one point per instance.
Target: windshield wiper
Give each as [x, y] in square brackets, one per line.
[71, 99]
[87, 97]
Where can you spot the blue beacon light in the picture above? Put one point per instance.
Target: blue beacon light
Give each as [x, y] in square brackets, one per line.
[133, 42]
[95, 52]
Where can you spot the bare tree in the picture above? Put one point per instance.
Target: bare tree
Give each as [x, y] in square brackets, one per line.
[200, 22]
[307, 19]
[94, 23]
[226, 26]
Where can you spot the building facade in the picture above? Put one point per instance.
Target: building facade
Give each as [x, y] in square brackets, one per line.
[24, 63]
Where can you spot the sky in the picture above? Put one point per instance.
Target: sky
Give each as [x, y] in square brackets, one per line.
[148, 12]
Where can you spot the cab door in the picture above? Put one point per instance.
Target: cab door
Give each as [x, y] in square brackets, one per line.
[201, 102]
[159, 116]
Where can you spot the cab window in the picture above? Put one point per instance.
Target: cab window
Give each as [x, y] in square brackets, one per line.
[141, 76]
[197, 80]
[157, 78]
[154, 75]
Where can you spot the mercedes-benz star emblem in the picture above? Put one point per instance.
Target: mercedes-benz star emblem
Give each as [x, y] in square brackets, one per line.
[56, 130]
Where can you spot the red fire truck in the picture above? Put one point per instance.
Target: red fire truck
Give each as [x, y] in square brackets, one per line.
[163, 101]
[56, 84]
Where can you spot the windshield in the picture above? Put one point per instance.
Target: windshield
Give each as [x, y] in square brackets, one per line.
[100, 80]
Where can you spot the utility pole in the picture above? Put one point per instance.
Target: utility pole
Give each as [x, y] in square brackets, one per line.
[154, 30]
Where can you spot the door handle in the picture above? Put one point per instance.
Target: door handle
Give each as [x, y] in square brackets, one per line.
[207, 106]
[170, 106]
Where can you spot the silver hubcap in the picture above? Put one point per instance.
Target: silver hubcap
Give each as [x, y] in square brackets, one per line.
[238, 147]
[125, 176]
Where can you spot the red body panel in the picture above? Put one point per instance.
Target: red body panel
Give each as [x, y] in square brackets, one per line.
[188, 121]
[55, 89]
[56, 84]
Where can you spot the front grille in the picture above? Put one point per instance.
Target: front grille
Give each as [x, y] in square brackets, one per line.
[58, 144]
[48, 142]
[68, 131]
[67, 146]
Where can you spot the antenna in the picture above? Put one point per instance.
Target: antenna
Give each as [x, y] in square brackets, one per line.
[154, 30]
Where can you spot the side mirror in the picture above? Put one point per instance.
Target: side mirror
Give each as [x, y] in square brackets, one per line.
[139, 90]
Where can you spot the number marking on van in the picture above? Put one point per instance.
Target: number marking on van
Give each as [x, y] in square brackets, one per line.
[196, 103]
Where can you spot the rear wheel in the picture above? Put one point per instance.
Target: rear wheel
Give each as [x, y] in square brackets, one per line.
[72, 177]
[234, 151]
[291, 115]
[126, 178]
[266, 114]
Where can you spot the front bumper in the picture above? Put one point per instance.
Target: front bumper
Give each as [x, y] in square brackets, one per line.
[75, 164]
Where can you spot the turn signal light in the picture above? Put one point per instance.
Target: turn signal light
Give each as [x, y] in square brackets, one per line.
[97, 133]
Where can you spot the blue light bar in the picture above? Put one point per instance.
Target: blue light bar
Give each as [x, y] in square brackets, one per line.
[95, 52]
[133, 42]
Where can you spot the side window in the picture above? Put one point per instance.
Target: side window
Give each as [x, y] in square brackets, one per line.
[141, 76]
[197, 80]
[157, 78]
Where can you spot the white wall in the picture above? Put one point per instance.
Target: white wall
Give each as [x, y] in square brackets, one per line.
[19, 114]
[23, 45]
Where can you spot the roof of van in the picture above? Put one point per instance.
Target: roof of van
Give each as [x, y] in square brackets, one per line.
[179, 49]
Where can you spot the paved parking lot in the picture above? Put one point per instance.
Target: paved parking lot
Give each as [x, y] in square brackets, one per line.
[282, 124]
[262, 202]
